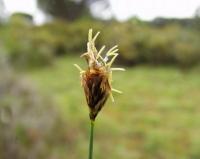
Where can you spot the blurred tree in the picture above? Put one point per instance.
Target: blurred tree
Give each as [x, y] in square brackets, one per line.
[69, 9]
[197, 12]
[197, 18]
[21, 18]
[1, 10]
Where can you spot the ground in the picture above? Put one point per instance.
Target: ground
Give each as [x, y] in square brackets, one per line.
[157, 116]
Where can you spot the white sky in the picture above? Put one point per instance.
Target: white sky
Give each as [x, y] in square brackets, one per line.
[122, 9]
[27, 6]
[149, 9]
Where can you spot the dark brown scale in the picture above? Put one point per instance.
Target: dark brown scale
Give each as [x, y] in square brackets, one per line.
[97, 88]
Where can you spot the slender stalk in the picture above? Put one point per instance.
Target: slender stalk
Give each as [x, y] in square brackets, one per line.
[90, 156]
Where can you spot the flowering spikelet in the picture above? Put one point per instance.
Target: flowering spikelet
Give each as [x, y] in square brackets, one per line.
[96, 80]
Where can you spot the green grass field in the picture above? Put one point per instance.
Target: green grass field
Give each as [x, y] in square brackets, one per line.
[156, 117]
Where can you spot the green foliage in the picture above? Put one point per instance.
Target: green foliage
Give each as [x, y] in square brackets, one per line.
[139, 42]
[27, 45]
[22, 46]
[145, 44]
[21, 18]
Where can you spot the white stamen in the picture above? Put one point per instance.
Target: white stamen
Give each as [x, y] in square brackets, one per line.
[84, 54]
[105, 59]
[117, 91]
[90, 35]
[100, 51]
[112, 98]
[79, 68]
[95, 37]
[114, 47]
[112, 60]
[112, 52]
[118, 69]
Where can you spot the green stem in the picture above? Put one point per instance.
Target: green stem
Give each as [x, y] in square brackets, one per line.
[91, 140]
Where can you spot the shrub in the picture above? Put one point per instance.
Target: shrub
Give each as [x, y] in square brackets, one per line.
[28, 45]
[28, 120]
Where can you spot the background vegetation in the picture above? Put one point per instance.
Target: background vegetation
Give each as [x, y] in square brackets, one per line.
[43, 113]
[140, 42]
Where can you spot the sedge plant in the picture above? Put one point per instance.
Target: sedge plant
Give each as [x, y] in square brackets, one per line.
[96, 80]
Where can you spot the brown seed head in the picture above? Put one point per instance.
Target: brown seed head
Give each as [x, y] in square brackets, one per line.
[96, 80]
[97, 89]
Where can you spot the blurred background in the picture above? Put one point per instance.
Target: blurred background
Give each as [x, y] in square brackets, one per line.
[43, 112]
